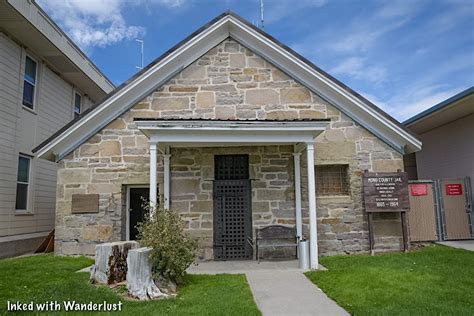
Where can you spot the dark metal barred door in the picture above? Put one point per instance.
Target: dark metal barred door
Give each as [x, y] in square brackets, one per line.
[232, 208]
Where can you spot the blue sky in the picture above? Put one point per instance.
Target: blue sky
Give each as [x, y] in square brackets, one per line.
[405, 56]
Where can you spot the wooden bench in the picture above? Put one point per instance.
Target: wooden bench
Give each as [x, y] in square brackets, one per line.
[275, 236]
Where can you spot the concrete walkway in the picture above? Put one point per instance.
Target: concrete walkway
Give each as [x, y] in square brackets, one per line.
[462, 244]
[279, 288]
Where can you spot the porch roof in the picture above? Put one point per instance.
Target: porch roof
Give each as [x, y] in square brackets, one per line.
[212, 132]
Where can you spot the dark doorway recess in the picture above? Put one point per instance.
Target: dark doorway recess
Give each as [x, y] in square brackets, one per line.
[138, 196]
[232, 208]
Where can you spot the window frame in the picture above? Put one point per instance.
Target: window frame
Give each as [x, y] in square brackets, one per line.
[74, 103]
[345, 187]
[27, 210]
[35, 84]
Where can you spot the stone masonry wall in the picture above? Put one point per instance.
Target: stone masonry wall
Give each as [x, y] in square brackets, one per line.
[229, 82]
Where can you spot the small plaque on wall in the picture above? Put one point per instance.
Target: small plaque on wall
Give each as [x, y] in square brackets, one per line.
[85, 203]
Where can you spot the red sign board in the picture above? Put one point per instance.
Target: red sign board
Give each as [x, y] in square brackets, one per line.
[454, 189]
[418, 189]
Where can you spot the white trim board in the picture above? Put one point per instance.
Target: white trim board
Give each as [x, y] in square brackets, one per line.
[228, 25]
[208, 133]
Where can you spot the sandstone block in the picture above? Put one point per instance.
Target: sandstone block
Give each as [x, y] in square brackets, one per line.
[110, 148]
[174, 103]
[183, 89]
[87, 150]
[194, 72]
[142, 106]
[231, 47]
[74, 175]
[201, 206]
[341, 151]
[312, 114]
[295, 95]
[205, 100]
[97, 232]
[255, 62]
[225, 113]
[116, 124]
[334, 135]
[282, 115]
[183, 186]
[271, 195]
[279, 75]
[250, 71]
[237, 60]
[261, 96]
[387, 165]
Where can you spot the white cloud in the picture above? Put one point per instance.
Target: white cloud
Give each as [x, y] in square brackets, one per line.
[169, 3]
[276, 10]
[423, 103]
[357, 68]
[375, 100]
[402, 107]
[457, 12]
[92, 23]
[365, 32]
[429, 89]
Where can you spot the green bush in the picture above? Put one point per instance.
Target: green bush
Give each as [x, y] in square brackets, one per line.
[173, 251]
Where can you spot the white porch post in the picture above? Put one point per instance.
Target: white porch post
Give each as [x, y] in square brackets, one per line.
[313, 230]
[299, 223]
[166, 180]
[153, 180]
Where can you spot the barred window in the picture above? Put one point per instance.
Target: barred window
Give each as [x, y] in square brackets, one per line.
[332, 180]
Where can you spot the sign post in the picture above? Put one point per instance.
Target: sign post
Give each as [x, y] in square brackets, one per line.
[386, 192]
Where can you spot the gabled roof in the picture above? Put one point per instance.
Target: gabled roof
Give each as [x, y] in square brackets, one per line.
[451, 109]
[197, 44]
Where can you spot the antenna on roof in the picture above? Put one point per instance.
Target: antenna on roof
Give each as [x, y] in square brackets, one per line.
[261, 15]
[141, 53]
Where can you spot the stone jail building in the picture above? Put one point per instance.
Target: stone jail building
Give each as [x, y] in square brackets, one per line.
[235, 131]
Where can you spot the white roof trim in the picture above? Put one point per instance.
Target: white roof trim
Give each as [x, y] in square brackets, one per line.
[188, 52]
[189, 133]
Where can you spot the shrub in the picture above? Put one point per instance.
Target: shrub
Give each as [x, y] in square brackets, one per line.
[173, 251]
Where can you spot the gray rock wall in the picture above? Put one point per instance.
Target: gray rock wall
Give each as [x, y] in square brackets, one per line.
[229, 82]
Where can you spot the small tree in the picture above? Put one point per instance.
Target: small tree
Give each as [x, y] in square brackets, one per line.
[173, 250]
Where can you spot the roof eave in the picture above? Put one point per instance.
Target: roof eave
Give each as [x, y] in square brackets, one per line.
[229, 24]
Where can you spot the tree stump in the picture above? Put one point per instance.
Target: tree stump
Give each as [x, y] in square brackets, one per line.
[140, 281]
[110, 265]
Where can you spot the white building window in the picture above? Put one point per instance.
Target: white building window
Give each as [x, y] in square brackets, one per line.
[29, 82]
[77, 104]
[23, 182]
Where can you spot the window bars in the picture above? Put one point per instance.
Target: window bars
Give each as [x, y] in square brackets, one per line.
[332, 180]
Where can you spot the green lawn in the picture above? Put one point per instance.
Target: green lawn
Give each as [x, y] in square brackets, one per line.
[432, 281]
[47, 278]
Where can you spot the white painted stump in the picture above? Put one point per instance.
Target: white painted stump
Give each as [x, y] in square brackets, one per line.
[110, 265]
[140, 281]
